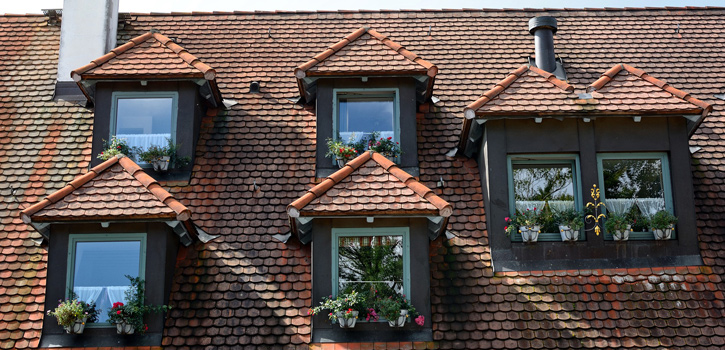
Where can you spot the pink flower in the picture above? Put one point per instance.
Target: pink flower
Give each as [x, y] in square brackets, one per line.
[507, 219]
[420, 320]
[118, 312]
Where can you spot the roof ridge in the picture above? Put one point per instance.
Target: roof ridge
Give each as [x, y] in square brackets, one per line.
[208, 72]
[182, 212]
[301, 70]
[444, 208]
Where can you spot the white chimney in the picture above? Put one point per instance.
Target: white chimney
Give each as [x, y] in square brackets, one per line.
[88, 31]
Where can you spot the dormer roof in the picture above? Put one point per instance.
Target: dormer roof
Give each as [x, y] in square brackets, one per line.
[150, 56]
[365, 52]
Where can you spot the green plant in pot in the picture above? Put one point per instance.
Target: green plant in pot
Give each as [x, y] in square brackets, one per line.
[343, 308]
[115, 147]
[662, 223]
[618, 226]
[527, 222]
[384, 145]
[570, 222]
[163, 157]
[128, 317]
[396, 309]
[341, 151]
[73, 314]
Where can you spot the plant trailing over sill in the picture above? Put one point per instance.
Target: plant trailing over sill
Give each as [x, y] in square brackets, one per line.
[115, 147]
[134, 310]
[168, 153]
[72, 310]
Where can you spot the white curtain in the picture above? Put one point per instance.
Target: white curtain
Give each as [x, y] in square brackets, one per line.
[88, 294]
[144, 140]
[619, 206]
[523, 205]
[357, 135]
[116, 294]
[650, 206]
[561, 205]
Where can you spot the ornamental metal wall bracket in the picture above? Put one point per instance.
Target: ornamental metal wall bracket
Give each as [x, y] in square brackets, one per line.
[595, 205]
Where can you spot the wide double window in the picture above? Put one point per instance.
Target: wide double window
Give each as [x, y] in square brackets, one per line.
[371, 260]
[144, 119]
[636, 185]
[547, 184]
[358, 113]
[98, 265]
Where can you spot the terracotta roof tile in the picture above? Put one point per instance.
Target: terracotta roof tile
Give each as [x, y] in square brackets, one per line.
[370, 184]
[118, 189]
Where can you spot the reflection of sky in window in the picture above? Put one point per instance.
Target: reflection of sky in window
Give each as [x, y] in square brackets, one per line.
[536, 182]
[144, 116]
[637, 178]
[349, 268]
[365, 115]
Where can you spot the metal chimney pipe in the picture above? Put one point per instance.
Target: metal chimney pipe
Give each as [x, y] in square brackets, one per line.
[543, 29]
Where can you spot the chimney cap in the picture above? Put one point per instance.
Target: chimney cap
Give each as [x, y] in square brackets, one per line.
[540, 22]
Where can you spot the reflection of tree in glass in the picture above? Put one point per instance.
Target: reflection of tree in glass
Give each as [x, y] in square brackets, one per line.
[543, 183]
[379, 264]
[632, 178]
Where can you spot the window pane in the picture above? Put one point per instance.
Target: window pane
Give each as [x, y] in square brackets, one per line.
[144, 121]
[362, 116]
[633, 182]
[100, 269]
[370, 262]
[537, 184]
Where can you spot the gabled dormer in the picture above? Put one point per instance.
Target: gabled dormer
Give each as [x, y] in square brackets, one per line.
[366, 82]
[146, 91]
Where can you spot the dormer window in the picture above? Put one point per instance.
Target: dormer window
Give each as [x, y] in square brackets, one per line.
[360, 113]
[144, 119]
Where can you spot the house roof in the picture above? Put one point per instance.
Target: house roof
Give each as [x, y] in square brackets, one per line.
[370, 185]
[248, 289]
[117, 189]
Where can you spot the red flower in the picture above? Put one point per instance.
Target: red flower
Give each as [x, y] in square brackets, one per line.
[118, 312]
[390, 137]
[145, 327]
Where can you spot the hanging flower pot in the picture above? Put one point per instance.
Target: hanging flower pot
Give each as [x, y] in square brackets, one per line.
[77, 327]
[529, 234]
[622, 235]
[124, 328]
[341, 162]
[400, 321]
[663, 234]
[347, 319]
[568, 234]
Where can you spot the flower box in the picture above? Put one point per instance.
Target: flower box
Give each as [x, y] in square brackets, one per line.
[529, 234]
[77, 327]
[568, 234]
[622, 235]
[664, 234]
[124, 328]
[162, 164]
[400, 321]
[348, 322]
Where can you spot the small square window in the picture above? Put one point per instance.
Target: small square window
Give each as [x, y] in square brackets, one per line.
[371, 259]
[547, 183]
[144, 119]
[637, 185]
[98, 264]
[359, 113]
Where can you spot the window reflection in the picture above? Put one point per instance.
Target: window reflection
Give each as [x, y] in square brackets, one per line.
[630, 183]
[144, 121]
[536, 185]
[370, 263]
[363, 115]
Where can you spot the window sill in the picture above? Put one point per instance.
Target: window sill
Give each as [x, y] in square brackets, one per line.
[372, 332]
[99, 337]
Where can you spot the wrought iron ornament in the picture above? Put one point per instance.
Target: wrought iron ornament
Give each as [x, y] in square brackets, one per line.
[596, 216]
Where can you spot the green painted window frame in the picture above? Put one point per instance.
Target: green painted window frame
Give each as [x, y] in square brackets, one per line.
[666, 184]
[116, 95]
[372, 231]
[102, 237]
[371, 93]
[543, 159]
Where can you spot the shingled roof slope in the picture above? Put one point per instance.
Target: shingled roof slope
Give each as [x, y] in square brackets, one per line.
[248, 289]
[370, 184]
[117, 189]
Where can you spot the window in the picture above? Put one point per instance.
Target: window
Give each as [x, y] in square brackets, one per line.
[360, 112]
[548, 183]
[637, 185]
[366, 258]
[144, 119]
[98, 264]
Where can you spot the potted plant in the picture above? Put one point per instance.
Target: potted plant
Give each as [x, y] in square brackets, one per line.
[128, 317]
[163, 156]
[115, 147]
[73, 315]
[618, 226]
[662, 224]
[343, 309]
[570, 223]
[385, 146]
[528, 223]
[342, 152]
[397, 310]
